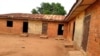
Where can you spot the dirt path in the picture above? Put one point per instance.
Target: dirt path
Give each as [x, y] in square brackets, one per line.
[30, 46]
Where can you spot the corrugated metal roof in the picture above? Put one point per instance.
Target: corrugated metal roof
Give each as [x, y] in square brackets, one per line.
[33, 16]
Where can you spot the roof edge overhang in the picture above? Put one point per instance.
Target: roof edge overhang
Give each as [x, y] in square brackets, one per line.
[75, 8]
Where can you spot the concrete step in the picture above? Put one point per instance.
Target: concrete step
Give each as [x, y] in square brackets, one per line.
[44, 36]
[75, 53]
[24, 35]
[59, 38]
[69, 44]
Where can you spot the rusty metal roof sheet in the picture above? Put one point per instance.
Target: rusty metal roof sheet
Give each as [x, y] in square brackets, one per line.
[33, 16]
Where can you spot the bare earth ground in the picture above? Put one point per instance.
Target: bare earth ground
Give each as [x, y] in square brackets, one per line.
[13, 45]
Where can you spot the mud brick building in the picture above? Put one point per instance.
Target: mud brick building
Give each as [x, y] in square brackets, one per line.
[83, 26]
[19, 23]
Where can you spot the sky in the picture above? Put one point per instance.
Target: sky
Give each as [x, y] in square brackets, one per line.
[26, 6]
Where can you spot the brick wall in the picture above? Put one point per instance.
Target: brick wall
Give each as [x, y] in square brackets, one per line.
[93, 48]
[53, 29]
[16, 29]
[94, 34]
[70, 25]
[65, 30]
[69, 30]
[17, 26]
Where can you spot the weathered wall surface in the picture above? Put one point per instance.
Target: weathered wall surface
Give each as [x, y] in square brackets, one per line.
[94, 32]
[35, 27]
[52, 29]
[65, 30]
[16, 29]
[17, 26]
[70, 30]
[78, 36]
[93, 47]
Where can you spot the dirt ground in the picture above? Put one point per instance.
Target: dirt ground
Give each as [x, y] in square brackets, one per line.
[14, 45]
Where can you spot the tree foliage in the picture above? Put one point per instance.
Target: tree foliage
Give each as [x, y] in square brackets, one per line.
[47, 8]
[34, 11]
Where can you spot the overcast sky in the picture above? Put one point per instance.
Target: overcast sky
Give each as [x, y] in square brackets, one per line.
[25, 6]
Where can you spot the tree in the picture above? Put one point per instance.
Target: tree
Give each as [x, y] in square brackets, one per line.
[53, 8]
[45, 8]
[58, 9]
[34, 11]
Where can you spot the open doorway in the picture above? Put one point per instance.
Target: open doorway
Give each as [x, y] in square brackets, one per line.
[60, 29]
[25, 27]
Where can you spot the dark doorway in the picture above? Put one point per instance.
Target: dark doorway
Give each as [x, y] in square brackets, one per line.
[44, 28]
[25, 27]
[86, 32]
[60, 29]
[73, 31]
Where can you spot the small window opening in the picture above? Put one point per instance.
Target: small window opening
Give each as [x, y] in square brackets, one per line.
[9, 23]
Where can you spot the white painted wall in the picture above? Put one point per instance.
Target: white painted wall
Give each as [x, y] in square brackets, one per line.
[79, 29]
[35, 27]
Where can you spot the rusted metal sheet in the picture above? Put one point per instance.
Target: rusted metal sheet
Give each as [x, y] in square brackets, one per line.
[44, 17]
